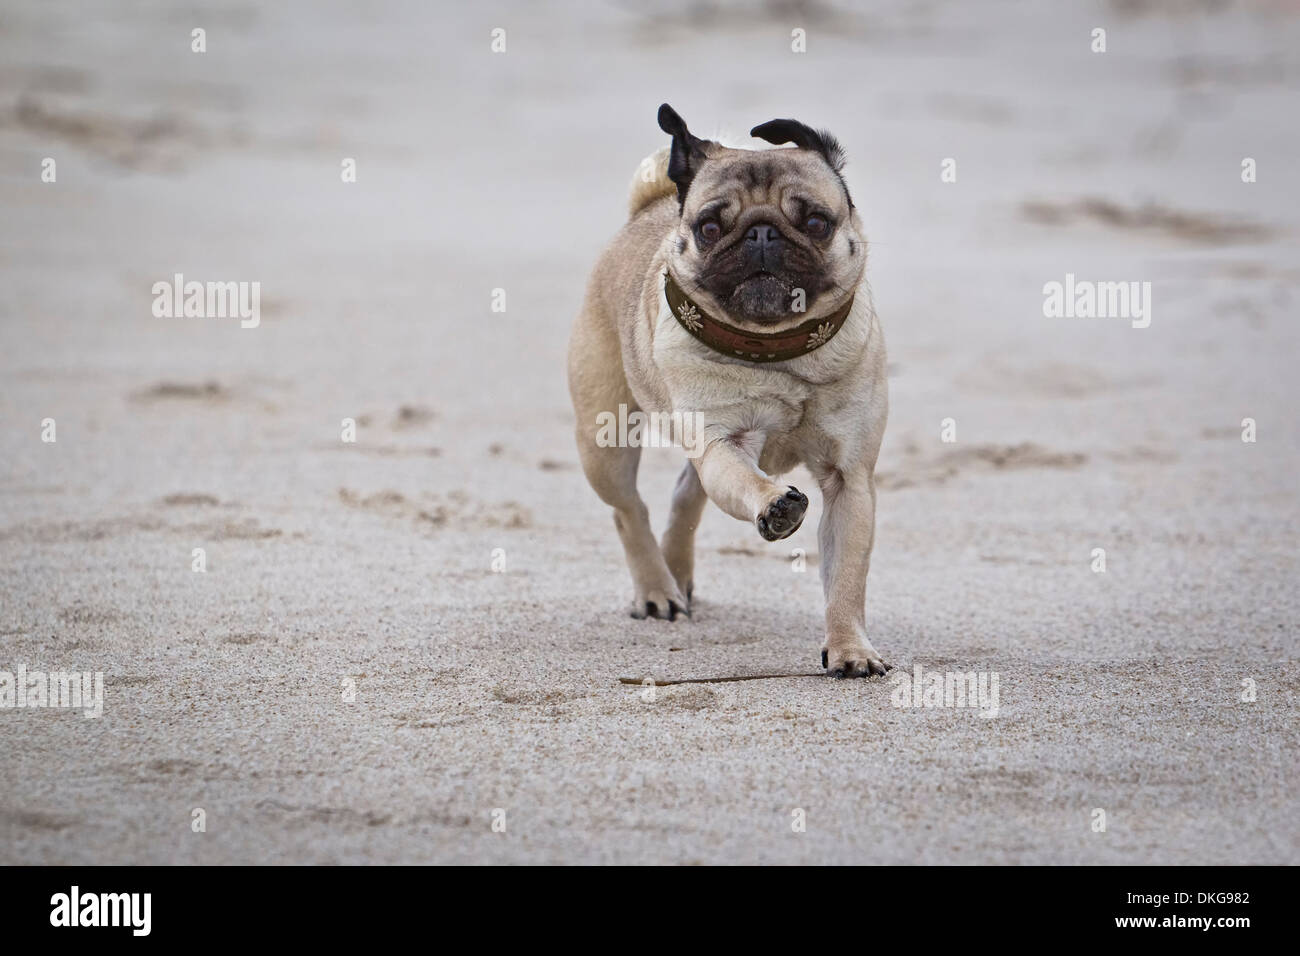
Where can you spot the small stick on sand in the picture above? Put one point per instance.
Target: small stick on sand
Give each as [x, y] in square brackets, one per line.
[713, 680]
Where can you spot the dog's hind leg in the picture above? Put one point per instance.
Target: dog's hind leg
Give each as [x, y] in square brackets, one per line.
[612, 474]
[598, 387]
[689, 500]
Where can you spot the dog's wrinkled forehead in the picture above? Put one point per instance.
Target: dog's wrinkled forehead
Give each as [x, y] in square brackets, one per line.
[765, 177]
[702, 167]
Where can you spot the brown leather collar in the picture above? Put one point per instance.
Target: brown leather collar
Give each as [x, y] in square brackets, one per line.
[752, 346]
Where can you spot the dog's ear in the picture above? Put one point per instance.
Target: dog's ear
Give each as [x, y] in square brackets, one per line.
[781, 131]
[687, 152]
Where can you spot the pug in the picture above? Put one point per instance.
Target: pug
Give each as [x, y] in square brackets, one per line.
[734, 298]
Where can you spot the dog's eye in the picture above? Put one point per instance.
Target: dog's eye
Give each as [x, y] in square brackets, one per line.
[710, 231]
[817, 227]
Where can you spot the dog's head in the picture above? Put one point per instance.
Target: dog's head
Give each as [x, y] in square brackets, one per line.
[766, 236]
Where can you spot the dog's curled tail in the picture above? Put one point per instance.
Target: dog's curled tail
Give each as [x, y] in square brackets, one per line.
[650, 182]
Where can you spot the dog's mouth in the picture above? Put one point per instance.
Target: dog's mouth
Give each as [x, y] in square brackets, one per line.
[766, 289]
[762, 296]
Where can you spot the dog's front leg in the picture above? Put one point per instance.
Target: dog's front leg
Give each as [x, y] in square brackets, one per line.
[846, 534]
[729, 472]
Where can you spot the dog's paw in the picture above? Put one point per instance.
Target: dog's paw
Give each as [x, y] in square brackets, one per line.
[782, 516]
[854, 661]
[660, 603]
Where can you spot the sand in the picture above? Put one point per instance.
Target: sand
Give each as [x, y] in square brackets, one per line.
[351, 681]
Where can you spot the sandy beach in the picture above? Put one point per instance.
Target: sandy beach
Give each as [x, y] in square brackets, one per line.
[398, 641]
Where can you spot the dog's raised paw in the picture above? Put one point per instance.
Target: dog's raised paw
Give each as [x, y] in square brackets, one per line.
[782, 516]
[854, 662]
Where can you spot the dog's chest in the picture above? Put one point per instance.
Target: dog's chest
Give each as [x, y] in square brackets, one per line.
[741, 397]
[802, 417]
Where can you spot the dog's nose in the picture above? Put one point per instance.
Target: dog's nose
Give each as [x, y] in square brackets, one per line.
[762, 235]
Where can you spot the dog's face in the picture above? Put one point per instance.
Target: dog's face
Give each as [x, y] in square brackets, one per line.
[766, 236]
